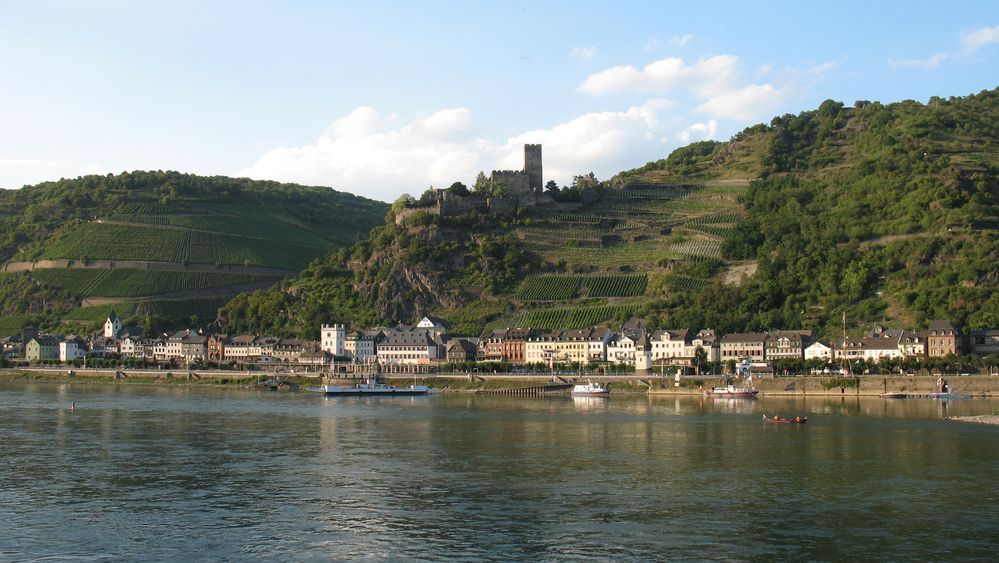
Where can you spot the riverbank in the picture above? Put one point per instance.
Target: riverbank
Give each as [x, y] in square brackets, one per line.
[974, 385]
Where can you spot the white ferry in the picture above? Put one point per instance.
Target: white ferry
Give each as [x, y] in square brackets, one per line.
[590, 389]
[372, 387]
[732, 391]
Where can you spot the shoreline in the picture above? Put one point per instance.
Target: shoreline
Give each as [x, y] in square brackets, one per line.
[631, 384]
[992, 419]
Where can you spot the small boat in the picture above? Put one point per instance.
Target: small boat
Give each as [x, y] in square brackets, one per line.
[590, 389]
[732, 391]
[795, 420]
[893, 395]
[949, 396]
[372, 387]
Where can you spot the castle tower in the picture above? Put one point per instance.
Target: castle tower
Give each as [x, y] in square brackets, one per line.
[332, 339]
[532, 165]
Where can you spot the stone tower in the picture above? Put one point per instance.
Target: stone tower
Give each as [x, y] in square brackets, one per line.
[532, 165]
[332, 339]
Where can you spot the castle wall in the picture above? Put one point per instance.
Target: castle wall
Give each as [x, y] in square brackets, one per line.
[516, 181]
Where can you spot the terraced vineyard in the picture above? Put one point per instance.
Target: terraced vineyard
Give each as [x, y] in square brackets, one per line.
[546, 288]
[684, 283]
[138, 283]
[615, 286]
[568, 318]
[121, 242]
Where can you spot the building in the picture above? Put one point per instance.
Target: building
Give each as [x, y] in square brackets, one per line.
[73, 348]
[404, 345]
[672, 347]
[522, 183]
[360, 346]
[868, 349]
[943, 338]
[787, 344]
[42, 348]
[983, 342]
[505, 345]
[112, 325]
[462, 349]
[577, 345]
[740, 345]
[819, 351]
[333, 339]
[707, 340]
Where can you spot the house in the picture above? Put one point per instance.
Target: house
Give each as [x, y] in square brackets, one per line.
[216, 347]
[819, 350]
[73, 348]
[707, 340]
[577, 345]
[672, 347]
[432, 323]
[134, 348]
[42, 348]
[289, 350]
[187, 345]
[404, 345]
[868, 349]
[361, 345]
[621, 347]
[462, 349]
[983, 342]
[911, 344]
[509, 345]
[332, 339]
[943, 338]
[11, 346]
[787, 344]
[103, 346]
[740, 345]
[237, 348]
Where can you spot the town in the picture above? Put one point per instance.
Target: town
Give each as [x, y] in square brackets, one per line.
[427, 347]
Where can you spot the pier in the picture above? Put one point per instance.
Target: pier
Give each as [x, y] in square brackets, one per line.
[531, 391]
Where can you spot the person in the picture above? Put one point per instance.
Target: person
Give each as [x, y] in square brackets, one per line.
[797, 419]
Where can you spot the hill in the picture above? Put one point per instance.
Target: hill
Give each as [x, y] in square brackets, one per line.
[162, 244]
[885, 212]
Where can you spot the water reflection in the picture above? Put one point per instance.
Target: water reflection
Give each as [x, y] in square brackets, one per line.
[164, 473]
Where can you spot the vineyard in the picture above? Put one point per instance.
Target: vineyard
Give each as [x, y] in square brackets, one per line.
[119, 242]
[138, 283]
[642, 254]
[235, 225]
[684, 283]
[581, 317]
[698, 248]
[615, 286]
[100, 312]
[546, 288]
[12, 325]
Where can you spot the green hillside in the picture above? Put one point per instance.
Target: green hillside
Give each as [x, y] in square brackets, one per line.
[162, 243]
[887, 213]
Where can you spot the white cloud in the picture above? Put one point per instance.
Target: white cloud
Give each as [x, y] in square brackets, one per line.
[583, 53]
[698, 132]
[929, 63]
[704, 76]
[679, 40]
[971, 42]
[974, 40]
[821, 69]
[381, 157]
[16, 173]
[653, 43]
[745, 103]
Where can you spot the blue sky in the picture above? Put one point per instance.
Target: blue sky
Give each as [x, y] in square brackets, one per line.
[381, 98]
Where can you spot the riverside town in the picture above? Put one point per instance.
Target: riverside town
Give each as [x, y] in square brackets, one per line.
[428, 348]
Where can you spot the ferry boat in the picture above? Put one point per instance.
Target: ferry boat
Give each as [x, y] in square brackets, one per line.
[372, 387]
[732, 391]
[590, 389]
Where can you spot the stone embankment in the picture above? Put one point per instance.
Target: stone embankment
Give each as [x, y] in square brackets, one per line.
[981, 419]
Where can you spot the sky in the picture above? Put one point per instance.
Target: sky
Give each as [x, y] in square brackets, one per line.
[384, 98]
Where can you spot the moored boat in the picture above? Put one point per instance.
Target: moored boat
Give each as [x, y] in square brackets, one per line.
[893, 395]
[732, 391]
[779, 419]
[590, 389]
[372, 387]
[949, 396]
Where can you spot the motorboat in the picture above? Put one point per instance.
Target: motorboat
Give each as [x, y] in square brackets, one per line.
[590, 389]
[893, 395]
[371, 386]
[732, 391]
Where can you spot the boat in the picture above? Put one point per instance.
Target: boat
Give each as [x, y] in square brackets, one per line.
[893, 395]
[795, 420]
[371, 386]
[590, 389]
[732, 391]
[949, 396]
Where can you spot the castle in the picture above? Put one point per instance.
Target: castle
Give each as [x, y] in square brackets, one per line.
[523, 188]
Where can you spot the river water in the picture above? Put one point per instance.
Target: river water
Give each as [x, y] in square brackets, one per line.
[157, 473]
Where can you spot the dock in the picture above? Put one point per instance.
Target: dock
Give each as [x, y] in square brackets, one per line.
[547, 389]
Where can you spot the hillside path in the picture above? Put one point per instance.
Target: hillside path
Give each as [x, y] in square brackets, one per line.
[63, 263]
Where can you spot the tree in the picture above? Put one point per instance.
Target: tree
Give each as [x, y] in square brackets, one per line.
[551, 188]
[482, 186]
[700, 358]
[458, 188]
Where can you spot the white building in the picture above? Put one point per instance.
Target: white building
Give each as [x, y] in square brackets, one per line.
[112, 325]
[72, 349]
[404, 345]
[819, 351]
[332, 339]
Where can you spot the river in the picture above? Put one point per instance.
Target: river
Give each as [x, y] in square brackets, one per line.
[167, 473]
